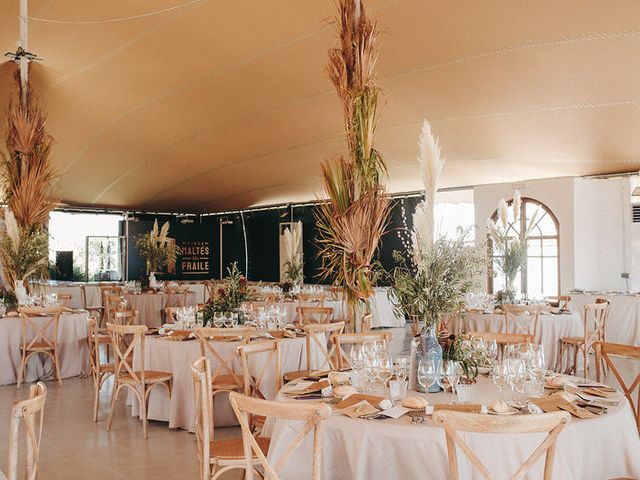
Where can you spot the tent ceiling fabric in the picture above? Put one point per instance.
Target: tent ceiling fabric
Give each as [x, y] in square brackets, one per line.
[225, 103]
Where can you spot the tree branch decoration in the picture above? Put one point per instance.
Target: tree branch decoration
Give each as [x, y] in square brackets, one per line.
[26, 174]
[27, 170]
[354, 219]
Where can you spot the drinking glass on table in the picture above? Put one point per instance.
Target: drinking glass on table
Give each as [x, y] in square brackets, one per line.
[427, 372]
[492, 351]
[518, 374]
[218, 320]
[453, 374]
[501, 377]
[401, 367]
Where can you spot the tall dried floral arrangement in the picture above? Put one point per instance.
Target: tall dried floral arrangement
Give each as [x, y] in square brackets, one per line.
[27, 174]
[294, 264]
[354, 219]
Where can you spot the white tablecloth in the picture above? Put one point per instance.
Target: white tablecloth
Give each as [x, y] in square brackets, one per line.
[177, 357]
[150, 306]
[72, 342]
[595, 449]
[549, 330]
[623, 323]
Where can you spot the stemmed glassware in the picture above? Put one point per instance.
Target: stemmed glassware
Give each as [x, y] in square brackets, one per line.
[501, 377]
[452, 372]
[427, 372]
[218, 319]
[401, 367]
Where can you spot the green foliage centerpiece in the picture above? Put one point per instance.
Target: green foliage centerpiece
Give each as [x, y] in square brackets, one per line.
[229, 296]
[354, 218]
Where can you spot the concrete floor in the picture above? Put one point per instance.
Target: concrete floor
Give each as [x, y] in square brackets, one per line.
[74, 447]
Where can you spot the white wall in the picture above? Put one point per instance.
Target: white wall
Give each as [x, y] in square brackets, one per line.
[555, 193]
[600, 241]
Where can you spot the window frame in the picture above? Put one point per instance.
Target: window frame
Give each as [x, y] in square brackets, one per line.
[522, 220]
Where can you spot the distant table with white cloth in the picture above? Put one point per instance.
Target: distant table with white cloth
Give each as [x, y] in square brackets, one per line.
[623, 323]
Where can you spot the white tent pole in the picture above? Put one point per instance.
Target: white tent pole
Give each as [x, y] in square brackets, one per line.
[24, 44]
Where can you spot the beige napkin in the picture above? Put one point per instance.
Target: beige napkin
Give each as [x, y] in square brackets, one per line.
[359, 409]
[455, 407]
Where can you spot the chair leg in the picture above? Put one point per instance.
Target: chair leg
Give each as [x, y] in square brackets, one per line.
[560, 359]
[586, 361]
[96, 397]
[57, 366]
[575, 361]
[143, 413]
[21, 373]
[113, 404]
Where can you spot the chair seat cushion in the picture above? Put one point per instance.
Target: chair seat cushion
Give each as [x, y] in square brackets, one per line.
[38, 346]
[227, 382]
[150, 376]
[232, 449]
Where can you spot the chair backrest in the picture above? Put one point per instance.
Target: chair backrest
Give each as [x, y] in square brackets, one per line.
[124, 317]
[308, 315]
[630, 351]
[453, 422]
[594, 320]
[311, 299]
[83, 294]
[524, 318]
[503, 339]
[252, 383]
[201, 371]
[177, 297]
[45, 331]
[320, 336]
[30, 413]
[207, 335]
[113, 303]
[123, 348]
[64, 299]
[312, 414]
[170, 314]
[356, 339]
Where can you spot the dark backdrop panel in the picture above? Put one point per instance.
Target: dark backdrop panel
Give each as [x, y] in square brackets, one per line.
[263, 244]
[233, 243]
[312, 262]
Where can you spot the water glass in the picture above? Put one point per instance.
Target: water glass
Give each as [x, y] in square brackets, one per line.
[427, 373]
[401, 367]
[397, 390]
[452, 372]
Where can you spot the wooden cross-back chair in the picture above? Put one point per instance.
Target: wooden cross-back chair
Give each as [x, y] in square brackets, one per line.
[503, 339]
[39, 336]
[94, 310]
[215, 457]
[318, 337]
[99, 371]
[603, 351]
[64, 299]
[140, 381]
[524, 318]
[170, 314]
[224, 377]
[312, 414]
[594, 321]
[29, 413]
[340, 340]
[106, 291]
[307, 315]
[253, 383]
[311, 299]
[453, 422]
[177, 297]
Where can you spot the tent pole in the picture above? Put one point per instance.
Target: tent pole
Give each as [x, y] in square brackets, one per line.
[24, 44]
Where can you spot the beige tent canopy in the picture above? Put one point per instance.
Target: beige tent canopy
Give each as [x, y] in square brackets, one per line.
[224, 103]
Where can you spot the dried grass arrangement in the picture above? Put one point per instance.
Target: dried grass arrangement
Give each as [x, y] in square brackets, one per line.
[354, 219]
[26, 169]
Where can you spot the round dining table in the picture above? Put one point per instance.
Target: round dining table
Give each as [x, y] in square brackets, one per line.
[603, 447]
[176, 357]
[72, 343]
[151, 305]
[549, 330]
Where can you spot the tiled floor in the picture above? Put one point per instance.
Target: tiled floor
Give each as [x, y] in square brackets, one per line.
[73, 447]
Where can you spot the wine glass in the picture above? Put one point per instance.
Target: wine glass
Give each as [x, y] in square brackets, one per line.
[356, 357]
[492, 351]
[518, 374]
[218, 320]
[426, 373]
[453, 374]
[501, 377]
[401, 367]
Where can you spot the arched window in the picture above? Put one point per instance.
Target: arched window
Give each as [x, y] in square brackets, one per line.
[540, 276]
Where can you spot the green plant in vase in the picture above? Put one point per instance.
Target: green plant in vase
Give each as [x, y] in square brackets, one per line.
[229, 296]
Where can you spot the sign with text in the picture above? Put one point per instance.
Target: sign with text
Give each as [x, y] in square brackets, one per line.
[195, 257]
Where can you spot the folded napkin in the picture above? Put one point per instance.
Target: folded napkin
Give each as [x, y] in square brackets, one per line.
[359, 409]
[357, 398]
[457, 407]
